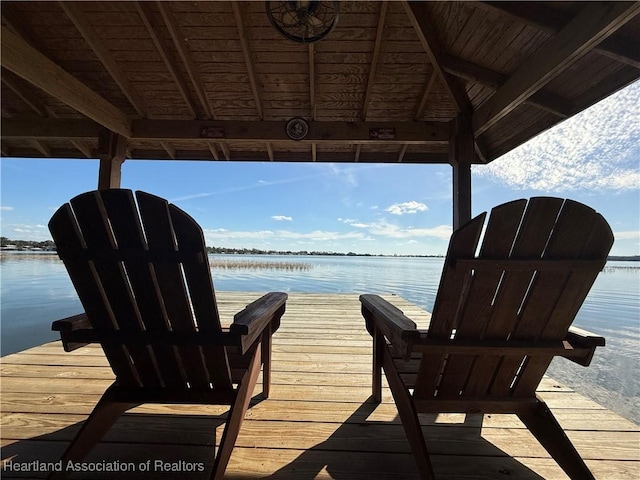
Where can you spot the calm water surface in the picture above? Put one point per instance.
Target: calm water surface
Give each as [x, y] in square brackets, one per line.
[35, 290]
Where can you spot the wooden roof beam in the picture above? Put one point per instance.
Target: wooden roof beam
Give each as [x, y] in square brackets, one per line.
[354, 133]
[542, 99]
[425, 94]
[402, 152]
[616, 47]
[83, 148]
[9, 80]
[417, 133]
[213, 150]
[145, 14]
[594, 23]
[248, 60]
[42, 148]
[419, 18]
[28, 63]
[312, 94]
[312, 81]
[178, 40]
[50, 129]
[225, 151]
[170, 149]
[374, 59]
[87, 31]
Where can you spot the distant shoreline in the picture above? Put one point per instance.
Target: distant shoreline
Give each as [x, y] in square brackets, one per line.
[24, 253]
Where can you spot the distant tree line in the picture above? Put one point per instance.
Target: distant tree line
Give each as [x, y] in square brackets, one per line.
[257, 251]
[27, 244]
[49, 245]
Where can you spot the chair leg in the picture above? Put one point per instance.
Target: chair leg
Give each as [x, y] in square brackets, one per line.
[408, 416]
[376, 381]
[544, 426]
[236, 416]
[102, 418]
[266, 363]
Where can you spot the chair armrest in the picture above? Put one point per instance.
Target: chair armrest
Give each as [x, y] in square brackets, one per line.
[583, 340]
[259, 315]
[400, 331]
[68, 325]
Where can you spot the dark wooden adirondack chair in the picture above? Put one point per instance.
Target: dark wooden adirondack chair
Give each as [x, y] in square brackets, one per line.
[141, 271]
[499, 318]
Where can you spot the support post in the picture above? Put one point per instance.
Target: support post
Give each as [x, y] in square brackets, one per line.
[461, 155]
[112, 148]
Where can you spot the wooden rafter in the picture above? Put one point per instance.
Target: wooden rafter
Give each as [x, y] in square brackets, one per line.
[616, 46]
[248, 60]
[542, 99]
[87, 31]
[41, 147]
[28, 63]
[402, 153]
[178, 40]
[170, 149]
[425, 93]
[145, 14]
[10, 81]
[225, 151]
[374, 59]
[312, 94]
[214, 150]
[418, 16]
[312, 81]
[83, 147]
[589, 27]
[13, 24]
[50, 129]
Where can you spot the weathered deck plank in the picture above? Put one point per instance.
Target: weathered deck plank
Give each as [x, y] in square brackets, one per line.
[317, 423]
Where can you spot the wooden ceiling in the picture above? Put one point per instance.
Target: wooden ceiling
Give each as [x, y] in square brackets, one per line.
[215, 81]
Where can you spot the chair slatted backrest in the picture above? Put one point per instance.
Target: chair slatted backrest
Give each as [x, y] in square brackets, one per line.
[527, 281]
[140, 264]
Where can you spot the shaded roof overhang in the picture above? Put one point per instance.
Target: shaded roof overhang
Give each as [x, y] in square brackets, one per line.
[392, 82]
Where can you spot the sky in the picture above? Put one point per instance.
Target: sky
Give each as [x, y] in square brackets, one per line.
[387, 209]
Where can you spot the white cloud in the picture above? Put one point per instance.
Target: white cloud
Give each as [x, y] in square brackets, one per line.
[406, 207]
[6, 209]
[597, 149]
[281, 218]
[353, 223]
[629, 235]
[221, 234]
[319, 235]
[386, 229]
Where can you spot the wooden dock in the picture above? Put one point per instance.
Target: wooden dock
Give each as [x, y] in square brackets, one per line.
[318, 422]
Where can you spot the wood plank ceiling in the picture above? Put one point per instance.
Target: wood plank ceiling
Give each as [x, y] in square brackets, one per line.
[215, 81]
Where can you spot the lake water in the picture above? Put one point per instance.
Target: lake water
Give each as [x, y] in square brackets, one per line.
[35, 290]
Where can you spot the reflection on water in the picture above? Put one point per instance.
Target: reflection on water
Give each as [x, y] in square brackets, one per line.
[36, 290]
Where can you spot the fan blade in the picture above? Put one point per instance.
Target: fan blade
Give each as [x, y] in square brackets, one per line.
[290, 19]
[314, 21]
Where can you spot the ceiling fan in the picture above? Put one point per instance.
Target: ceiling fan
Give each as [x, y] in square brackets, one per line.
[303, 21]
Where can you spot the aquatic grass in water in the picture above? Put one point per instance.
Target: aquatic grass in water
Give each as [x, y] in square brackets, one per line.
[258, 265]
